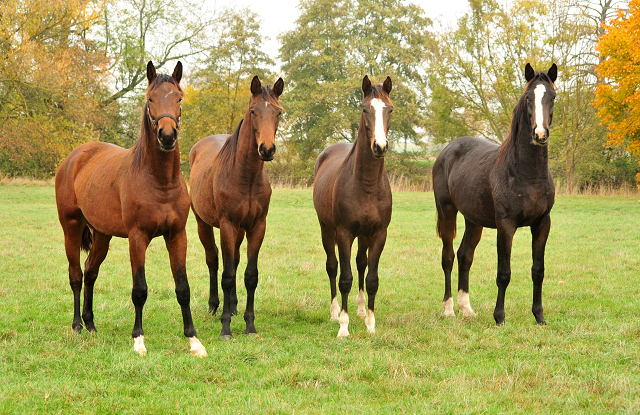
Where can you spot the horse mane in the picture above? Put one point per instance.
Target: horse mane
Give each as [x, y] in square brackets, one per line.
[138, 147]
[227, 153]
[518, 113]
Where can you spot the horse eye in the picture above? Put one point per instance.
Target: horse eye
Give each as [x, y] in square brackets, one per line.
[280, 113]
[366, 111]
[150, 100]
[180, 100]
[391, 110]
[253, 113]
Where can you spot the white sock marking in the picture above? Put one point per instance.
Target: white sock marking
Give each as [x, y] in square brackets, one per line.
[334, 309]
[370, 321]
[197, 349]
[344, 324]
[448, 308]
[464, 305]
[138, 345]
[539, 93]
[360, 300]
[378, 133]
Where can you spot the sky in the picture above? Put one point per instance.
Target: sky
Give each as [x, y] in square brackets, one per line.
[280, 16]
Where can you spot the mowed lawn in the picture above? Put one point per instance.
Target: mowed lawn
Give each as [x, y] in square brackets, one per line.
[586, 360]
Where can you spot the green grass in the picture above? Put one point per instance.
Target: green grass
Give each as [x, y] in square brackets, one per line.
[584, 361]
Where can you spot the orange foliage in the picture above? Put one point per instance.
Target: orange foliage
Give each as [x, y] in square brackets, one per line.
[618, 96]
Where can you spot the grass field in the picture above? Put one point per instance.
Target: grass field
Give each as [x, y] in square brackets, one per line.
[586, 360]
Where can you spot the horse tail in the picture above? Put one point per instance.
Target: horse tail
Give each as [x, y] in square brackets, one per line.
[85, 245]
[440, 224]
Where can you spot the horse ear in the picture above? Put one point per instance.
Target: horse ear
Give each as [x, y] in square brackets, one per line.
[366, 85]
[553, 72]
[278, 87]
[151, 72]
[386, 86]
[529, 73]
[256, 86]
[177, 72]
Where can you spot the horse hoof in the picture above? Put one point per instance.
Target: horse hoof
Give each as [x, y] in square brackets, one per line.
[468, 313]
[449, 313]
[361, 313]
[234, 312]
[77, 329]
[225, 337]
[213, 311]
[342, 334]
[542, 323]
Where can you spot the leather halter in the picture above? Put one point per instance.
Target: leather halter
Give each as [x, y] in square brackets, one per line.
[167, 115]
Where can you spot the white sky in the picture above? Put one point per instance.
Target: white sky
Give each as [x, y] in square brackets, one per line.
[280, 16]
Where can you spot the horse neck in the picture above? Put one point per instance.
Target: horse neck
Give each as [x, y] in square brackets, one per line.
[164, 166]
[247, 163]
[366, 167]
[528, 159]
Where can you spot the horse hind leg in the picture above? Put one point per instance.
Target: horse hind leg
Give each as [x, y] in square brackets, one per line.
[345, 241]
[254, 242]
[207, 239]
[376, 245]
[361, 262]
[470, 240]
[329, 245]
[540, 234]
[73, 231]
[446, 228]
[99, 250]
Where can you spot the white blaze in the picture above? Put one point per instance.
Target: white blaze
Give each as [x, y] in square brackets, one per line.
[378, 132]
[539, 93]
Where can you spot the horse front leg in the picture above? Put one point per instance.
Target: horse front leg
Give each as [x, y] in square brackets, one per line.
[177, 248]
[539, 234]
[361, 264]
[345, 240]
[376, 245]
[506, 230]
[236, 256]
[138, 243]
[254, 242]
[99, 250]
[228, 237]
[329, 245]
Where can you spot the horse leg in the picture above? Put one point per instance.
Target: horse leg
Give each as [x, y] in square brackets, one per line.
[376, 245]
[361, 263]
[472, 235]
[73, 230]
[138, 243]
[447, 231]
[177, 248]
[506, 230]
[228, 238]
[329, 245]
[345, 240]
[207, 238]
[539, 234]
[99, 250]
[236, 253]
[254, 242]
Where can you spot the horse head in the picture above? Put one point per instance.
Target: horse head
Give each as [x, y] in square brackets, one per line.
[376, 114]
[540, 95]
[265, 110]
[163, 107]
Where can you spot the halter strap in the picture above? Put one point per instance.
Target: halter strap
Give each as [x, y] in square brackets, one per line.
[167, 115]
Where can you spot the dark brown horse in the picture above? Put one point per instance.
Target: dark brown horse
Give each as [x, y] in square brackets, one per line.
[503, 187]
[103, 190]
[230, 190]
[352, 197]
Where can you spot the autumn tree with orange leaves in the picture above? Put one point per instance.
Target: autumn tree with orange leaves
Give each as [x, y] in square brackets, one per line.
[618, 96]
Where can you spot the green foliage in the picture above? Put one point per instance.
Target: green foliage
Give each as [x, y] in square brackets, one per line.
[219, 93]
[584, 361]
[326, 56]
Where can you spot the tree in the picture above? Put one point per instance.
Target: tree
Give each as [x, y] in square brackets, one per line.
[51, 82]
[617, 98]
[218, 94]
[336, 43]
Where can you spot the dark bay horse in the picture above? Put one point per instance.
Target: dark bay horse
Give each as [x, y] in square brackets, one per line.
[230, 190]
[103, 191]
[352, 197]
[501, 187]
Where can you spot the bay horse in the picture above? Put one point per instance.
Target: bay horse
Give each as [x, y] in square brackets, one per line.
[501, 187]
[352, 197]
[230, 190]
[103, 190]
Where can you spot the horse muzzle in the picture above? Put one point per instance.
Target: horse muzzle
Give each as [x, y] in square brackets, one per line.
[378, 150]
[266, 154]
[167, 142]
[540, 139]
